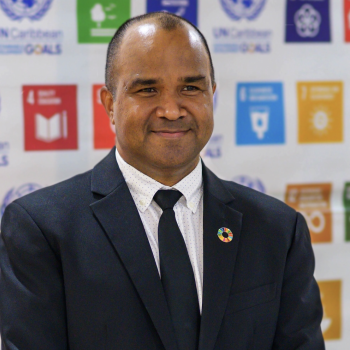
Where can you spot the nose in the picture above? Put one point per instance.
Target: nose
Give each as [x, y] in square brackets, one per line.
[170, 107]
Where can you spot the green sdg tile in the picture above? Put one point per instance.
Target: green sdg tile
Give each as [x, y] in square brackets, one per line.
[346, 200]
[98, 20]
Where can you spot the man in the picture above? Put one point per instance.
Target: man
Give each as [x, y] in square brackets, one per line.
[150, 250]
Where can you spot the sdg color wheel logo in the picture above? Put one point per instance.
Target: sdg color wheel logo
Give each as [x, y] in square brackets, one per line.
[237, 9]
[31, 9]
[225, 235]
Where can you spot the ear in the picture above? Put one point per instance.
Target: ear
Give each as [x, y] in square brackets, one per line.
[214, 88]
[107, 101]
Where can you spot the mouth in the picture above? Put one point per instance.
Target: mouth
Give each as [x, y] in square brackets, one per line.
[171, 134]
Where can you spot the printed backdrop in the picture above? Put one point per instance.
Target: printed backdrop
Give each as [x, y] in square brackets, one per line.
[281, 112]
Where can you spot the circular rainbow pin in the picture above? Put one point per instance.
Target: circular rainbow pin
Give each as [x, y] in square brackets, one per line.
[225, 234]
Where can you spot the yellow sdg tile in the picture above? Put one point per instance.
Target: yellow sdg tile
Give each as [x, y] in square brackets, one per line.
[331, 300]
[320, 112]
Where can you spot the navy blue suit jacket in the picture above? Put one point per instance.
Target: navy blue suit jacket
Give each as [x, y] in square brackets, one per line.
[77, 271]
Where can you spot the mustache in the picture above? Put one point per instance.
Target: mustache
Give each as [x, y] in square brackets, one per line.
[172, 126]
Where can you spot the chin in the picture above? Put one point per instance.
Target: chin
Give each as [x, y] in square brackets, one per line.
[175, 160]
[170, 154]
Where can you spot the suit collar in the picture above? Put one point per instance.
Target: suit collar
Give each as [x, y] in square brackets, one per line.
[215, 186]
[118, 215]
[219, 257]
[106, 175]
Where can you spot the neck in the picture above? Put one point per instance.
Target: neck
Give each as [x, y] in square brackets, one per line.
[166, 175]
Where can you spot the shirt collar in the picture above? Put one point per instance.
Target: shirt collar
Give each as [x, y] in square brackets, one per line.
[143, 188]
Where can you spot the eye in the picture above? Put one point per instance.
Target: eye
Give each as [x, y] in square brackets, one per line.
[190, 88]
[148, 90]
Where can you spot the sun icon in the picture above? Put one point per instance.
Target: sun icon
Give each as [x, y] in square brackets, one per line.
[321, 121]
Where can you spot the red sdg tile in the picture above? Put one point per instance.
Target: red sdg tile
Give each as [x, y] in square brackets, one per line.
[50, 117]
[347, 19]
[104, 136]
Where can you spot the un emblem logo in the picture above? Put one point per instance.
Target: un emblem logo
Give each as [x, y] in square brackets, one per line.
[16, 193]
[237, 9]
[255, 184]
[31, 9]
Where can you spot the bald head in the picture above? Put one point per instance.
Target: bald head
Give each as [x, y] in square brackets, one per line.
[145, 26]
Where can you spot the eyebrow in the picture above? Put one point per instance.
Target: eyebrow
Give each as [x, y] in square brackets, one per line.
[142, 82]
[148, 82]
[192, 79]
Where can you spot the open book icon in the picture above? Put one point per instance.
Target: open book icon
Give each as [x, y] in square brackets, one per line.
[52, 128]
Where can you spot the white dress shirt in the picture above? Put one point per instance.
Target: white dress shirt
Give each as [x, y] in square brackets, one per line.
[188, 212]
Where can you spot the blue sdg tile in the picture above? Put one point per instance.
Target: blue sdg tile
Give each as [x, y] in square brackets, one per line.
[308, 21]
[184, 8]
[260, 114]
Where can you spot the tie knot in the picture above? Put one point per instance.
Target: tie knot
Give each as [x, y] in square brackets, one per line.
[166, 199]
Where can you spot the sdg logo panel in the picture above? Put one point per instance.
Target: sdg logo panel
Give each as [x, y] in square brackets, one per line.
[104, 134]
[308, 21]
[98, 20]
[184, 8]
[331, 297]
[50, 117]
[347, 20]
[260, 114]
[346, 201]
[313, 201]
[320, 111]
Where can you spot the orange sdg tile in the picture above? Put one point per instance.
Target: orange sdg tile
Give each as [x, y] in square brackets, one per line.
[320, 112]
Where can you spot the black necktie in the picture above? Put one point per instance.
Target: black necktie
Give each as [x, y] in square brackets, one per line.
[177, 273]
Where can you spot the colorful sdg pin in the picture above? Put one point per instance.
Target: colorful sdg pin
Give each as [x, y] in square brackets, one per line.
[225, 234]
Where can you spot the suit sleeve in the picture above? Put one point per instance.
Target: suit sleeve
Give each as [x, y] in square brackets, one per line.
[301, 312]
[32, 304]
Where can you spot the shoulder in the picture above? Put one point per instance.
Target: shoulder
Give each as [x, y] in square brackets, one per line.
[66, 194]
[267, 221]
[251, 203]
[250, 200]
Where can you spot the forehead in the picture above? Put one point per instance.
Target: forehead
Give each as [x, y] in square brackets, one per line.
[147, 46]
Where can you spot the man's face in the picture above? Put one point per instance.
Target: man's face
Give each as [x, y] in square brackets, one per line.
[163, 106]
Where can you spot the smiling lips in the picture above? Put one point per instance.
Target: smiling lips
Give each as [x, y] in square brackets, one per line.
[171, 134]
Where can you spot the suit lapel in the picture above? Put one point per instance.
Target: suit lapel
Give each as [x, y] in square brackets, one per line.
[219, 257]
[118, 215]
